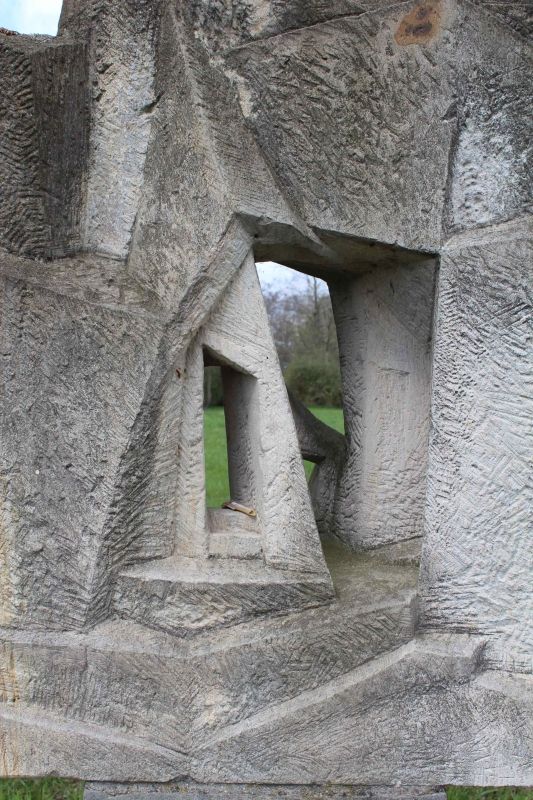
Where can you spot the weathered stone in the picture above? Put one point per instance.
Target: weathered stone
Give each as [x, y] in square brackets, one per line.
[198, 791]
[384, 322]
[479, 485]
[368, 636]
[44, 105]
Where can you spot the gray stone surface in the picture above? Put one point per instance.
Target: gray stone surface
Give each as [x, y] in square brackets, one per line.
[384, 322]
[196, 791]
[44, 107]
[366, 636]
[482, 373]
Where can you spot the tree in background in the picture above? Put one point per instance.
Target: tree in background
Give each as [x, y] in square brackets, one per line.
[304, 333]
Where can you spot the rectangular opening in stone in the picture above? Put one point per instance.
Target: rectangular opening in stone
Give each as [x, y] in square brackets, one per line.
[228, 434]
[215, 441]
[302, 323]
[230, 448]
[368, 487]
[303, 327]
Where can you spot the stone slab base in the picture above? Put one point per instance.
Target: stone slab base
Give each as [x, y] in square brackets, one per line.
[202, 791]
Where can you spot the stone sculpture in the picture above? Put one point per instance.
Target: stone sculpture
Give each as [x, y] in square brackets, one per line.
[369, 636]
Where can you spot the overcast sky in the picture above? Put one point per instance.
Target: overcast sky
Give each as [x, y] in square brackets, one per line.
[30, 16]
[278, 278]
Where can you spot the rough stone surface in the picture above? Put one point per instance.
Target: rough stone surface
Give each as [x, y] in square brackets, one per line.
[384, 322]
[196, 791]
[368, 636]
[44, 106]
[480, 485]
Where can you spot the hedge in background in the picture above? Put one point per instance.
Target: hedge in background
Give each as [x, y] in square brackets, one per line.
[314, 382]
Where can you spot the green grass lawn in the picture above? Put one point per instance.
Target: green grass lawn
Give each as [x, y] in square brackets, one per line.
[216, 456]
[56, 789]
[217, 493]
[47, 789]
[332, 417]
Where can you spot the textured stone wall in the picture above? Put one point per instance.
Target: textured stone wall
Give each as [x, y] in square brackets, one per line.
[148, 154]
[476, 569]
[43, 144]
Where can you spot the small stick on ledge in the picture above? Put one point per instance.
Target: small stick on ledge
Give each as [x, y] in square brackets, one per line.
[233, 506]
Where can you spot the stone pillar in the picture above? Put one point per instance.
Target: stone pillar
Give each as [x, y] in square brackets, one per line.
[384, 325]
[240, 396]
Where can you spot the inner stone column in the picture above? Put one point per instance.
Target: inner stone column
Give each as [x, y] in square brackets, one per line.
[239, 400]
[384, 323]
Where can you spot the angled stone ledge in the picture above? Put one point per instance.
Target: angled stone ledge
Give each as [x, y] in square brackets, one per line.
[199, 791]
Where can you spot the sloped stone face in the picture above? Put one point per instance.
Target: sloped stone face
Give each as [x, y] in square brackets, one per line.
[518, 16]
[381, 172]
[74, 376]
[212, 709]
[147, 154]
[119, 40]
[223, 25]
[388, 115]
[124, 684]
[421, 691]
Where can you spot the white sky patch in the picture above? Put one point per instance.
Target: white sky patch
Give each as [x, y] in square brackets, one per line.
[277, 278]
[30, 16]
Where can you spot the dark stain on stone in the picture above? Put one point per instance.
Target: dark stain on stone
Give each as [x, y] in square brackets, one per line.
[420, 25]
